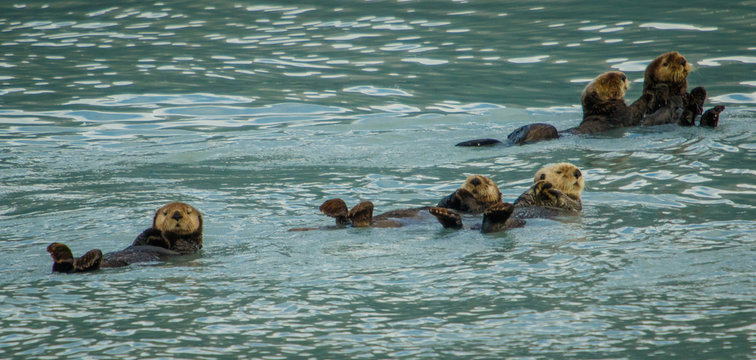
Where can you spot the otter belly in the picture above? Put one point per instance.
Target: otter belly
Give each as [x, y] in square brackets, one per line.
[135, 254]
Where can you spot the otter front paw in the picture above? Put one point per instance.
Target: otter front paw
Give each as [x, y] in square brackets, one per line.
[447, 217]
[545, 193]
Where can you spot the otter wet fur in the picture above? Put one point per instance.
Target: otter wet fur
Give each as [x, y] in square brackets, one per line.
[474, 196]
[666, 77]
[176, 230]
[556, 190]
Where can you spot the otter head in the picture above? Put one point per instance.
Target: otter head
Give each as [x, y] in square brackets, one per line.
[565, 177]
[483, 189]
[667, 68]
[610, 85]
[178, 218]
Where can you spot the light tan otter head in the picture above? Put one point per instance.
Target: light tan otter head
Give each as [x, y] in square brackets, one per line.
[178, 218]
[667, 68]
[610, 85]
[565, 177]
[483, 189]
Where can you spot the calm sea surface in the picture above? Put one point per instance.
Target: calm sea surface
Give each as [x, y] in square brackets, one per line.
[255, 113]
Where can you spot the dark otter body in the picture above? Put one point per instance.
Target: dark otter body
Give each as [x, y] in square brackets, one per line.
[151, 245]
[176, 230]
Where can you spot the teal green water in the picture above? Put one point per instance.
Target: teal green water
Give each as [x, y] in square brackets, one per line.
[257, 113]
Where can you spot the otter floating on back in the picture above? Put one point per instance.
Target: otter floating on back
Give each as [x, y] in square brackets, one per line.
[474, 196]
[176, 230]
[556, 190]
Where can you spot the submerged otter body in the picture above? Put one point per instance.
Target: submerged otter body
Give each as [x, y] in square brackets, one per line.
[176, 230]
[556, 191]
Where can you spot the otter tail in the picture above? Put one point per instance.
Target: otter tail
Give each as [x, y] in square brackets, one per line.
[479, 142]
[66, 263]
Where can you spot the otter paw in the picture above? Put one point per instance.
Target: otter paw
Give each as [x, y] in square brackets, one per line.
[89, 261]
[447, 217]
[545, 192]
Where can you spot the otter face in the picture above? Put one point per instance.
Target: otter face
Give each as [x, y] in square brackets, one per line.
[610, 85]
[669, 67]
[565, 177]
[483, 189]
[177, 218]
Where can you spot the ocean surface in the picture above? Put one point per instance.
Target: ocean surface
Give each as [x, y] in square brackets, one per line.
[257, 112]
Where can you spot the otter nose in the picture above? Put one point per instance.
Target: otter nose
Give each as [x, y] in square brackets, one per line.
[683, 62]
[176, 216]
[578, 174]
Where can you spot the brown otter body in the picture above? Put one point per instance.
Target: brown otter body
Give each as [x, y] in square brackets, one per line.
[666, 78]
[556, 190]
[176, 230]
[475, 195]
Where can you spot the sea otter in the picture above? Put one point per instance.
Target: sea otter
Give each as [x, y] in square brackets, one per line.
[474, 196]
[176, 230]
[664, 101]
[556, 190]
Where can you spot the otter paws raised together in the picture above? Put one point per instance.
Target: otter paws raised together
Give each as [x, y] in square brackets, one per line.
[556, 190]
[176, 230]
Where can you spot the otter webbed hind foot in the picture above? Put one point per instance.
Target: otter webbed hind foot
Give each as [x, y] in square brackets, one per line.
[479, 142]
[532, 133]
[66, 263]
[361, 214]
[495, 218]
[336, 208]
[448, 218]
[711, 117]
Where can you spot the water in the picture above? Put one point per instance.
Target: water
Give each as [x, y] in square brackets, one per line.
[257, 113]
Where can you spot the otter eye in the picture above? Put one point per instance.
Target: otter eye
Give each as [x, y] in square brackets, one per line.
[543, 176]
[559, 172]
[624, 78]
[165, 213]
[188, 211]
[665, 64]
